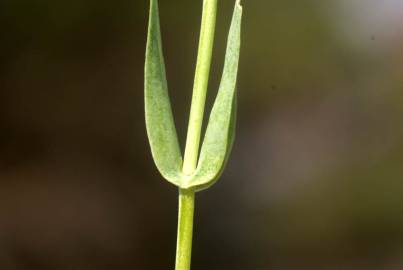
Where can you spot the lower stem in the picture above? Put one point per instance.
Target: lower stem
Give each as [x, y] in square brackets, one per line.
[185, 229]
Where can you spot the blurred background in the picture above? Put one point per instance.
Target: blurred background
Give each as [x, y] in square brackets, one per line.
[315, 179]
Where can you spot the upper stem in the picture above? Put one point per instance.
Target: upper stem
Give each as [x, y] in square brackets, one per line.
[200, 85]
[186, 197]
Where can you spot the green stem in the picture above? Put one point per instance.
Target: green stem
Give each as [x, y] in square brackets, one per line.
[185, 229]
[187, 197]
[200, 85]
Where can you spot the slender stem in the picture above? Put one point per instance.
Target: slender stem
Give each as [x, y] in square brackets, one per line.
[187, 197]
[185, 229]
[200, 85]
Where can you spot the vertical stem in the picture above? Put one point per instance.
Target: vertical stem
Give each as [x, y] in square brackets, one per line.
[200, 85]
[187, 197]
[185, 229]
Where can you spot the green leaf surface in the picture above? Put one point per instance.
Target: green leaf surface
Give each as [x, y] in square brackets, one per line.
[220, 131]
[160, 124]
[159, 119]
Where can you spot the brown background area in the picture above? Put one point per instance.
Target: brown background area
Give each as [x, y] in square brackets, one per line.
[315, 180]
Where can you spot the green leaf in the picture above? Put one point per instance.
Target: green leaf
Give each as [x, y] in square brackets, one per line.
[220, 131]
[159, 120]
[160, 124]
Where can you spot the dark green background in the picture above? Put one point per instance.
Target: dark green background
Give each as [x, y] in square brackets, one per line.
[315, 180]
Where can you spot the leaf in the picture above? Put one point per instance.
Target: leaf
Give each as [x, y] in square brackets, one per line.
[220, 131]
[160, 124]
[159, 119]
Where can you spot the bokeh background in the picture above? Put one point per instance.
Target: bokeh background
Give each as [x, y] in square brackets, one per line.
[315, 180]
